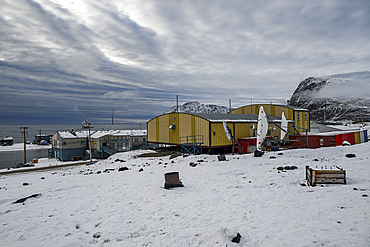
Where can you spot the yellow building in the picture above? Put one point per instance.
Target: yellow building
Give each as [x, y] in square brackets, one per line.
[205, 128]
[300, 116]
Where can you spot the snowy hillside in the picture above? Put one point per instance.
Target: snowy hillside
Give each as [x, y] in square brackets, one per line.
[106, 204]
[335, 99]
[196, 107]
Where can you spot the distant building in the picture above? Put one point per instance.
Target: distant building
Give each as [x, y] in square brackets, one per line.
[6, 141]
[125, 140]
[206, 128]
[69, 145]
[330, 127]
[300, 116]
[74, 145]
[106, 143]
[42, 137]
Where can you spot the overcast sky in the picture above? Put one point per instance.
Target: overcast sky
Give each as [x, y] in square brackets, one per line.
[62, 61]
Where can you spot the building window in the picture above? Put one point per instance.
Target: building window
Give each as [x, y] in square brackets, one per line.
[305, 117]
[64, 143]
[82, 142]
[298, 116]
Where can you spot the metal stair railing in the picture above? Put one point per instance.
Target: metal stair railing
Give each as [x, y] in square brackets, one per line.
[191, 144]
[108, 151]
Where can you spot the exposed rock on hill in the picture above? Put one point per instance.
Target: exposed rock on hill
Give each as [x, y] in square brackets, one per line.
[196, 107]
[334, 99]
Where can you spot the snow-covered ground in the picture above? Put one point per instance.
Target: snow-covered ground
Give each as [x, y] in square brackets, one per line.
[43, 163]
[20, 146]
[99, 205]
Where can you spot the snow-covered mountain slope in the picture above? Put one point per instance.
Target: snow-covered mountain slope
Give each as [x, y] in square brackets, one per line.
[196, 107]
[103, 205]
[334, 99]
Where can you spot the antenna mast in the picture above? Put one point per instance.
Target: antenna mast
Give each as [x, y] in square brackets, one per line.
[251, 106]
[112, 116]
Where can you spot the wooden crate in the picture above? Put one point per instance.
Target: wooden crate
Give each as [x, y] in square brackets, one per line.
[314, 177]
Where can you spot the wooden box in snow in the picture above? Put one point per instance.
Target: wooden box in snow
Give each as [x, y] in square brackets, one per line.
[172, 180]
[314, 177]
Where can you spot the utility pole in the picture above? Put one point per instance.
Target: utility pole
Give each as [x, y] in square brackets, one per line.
[87, 125]
[90, 143]
[24, 144]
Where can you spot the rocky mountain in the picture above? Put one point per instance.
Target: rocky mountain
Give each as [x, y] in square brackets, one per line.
[334, 99]
[196, 107]
[331, 98]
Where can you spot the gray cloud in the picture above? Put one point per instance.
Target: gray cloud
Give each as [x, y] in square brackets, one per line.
[59, 55]
[350, 85]
[132, 95]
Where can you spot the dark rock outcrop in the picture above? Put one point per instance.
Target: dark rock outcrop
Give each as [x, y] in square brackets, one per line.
[25, 198]
[329, 99]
